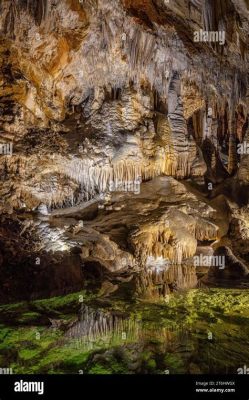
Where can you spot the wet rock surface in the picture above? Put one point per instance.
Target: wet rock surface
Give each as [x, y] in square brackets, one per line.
[149, 238]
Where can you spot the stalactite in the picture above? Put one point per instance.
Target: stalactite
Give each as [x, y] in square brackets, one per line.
[214, 15]
[185, 149]
[93, 178]
[158, 241]
[232, 124]
[198, 126]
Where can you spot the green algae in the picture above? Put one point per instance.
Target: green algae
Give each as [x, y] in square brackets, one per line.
[198, 330]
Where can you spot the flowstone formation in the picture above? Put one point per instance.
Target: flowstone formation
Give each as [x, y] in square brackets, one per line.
[123, 133]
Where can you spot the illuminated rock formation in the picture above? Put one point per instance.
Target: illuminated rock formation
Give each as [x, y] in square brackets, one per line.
[105, 106]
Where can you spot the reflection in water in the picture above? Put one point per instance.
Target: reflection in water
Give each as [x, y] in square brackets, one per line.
[102, 328]
[199, 331]
[97, 328]
[154, 283]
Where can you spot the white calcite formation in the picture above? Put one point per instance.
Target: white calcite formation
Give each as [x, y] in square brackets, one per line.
[127, 84]
[107, 106]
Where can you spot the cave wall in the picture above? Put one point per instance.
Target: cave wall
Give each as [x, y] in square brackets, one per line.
[128, 72]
